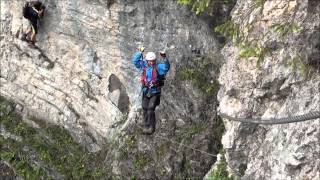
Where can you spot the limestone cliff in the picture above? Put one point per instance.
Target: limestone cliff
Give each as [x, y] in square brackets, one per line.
[272, 71]
[80, 80]
[81, 77]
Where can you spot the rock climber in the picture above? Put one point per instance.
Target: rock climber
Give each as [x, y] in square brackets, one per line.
[32, 11]
[152, 80]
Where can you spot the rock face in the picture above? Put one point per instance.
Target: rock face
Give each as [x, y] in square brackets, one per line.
[273, 73]
[80, 76]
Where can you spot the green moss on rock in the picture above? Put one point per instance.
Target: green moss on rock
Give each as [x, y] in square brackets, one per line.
[141, 161]
[51, 145]
[204, 6]
[199, 80]
[220, 173]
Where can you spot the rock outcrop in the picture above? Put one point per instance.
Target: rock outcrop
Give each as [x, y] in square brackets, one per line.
[273, 72]
[80, 76]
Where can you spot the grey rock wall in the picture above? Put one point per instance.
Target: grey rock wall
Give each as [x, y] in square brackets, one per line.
[81, 77]
[285, 83]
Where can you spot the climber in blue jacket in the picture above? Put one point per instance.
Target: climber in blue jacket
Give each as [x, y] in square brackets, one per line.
[152, 80]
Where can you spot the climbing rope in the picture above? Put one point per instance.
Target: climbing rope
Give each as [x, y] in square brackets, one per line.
[181, 144]
[186, 146]
[299, 118]
[285, 120]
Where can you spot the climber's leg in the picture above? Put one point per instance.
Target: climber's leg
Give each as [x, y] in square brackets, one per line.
[145, 104]
[153, 103]
[34, 27]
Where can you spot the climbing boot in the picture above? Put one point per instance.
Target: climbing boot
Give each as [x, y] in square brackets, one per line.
[24, 37]
[148, 130]
[32, 44]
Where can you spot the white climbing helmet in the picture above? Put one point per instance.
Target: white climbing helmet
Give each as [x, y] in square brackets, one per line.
[150, 56]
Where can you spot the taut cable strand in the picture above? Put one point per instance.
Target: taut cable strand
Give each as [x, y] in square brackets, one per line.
[285, 120]
[186, 146]
[181, 144]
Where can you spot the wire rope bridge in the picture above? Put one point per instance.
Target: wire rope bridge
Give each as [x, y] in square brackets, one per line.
[270, 121]
[285, 120]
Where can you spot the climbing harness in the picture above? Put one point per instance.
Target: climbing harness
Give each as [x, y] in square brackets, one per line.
[153, 83]
[285, 120]
[156, 79]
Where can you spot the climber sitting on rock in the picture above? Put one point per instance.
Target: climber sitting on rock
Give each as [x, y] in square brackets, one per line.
[152, 79]
[32, 11]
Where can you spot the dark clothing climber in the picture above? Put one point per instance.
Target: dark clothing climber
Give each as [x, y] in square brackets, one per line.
[32, 11]
[152, 78]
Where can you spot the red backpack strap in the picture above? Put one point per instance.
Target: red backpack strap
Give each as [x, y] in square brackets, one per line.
[155, 78]
[144, 76]
[154, 75]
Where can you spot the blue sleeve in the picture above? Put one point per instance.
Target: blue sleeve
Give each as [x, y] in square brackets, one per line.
[163, 68]
[137, 60]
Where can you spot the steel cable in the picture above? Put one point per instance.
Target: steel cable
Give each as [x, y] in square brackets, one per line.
[181, 144]
[285, 120]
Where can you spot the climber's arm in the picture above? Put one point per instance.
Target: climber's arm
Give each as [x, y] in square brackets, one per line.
[164, 67]
[137, 60]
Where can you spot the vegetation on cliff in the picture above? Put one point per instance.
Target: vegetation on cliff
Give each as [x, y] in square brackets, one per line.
[38, 150]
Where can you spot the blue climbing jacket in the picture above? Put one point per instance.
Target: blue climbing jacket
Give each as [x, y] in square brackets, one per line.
[148, 73]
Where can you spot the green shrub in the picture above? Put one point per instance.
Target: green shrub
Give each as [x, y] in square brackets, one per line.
[201, 6]
[199, 80]
[193, 130]
[52, 145]
[285, 28]
[230, 30]
[197, 6]
[188, 133]
[220, 173]
[14, 154]
[141, 161]
[253, 50]
[259, 3]
[297, 64]
[162, 150]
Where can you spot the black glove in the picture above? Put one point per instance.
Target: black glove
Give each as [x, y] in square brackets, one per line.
[162, 54]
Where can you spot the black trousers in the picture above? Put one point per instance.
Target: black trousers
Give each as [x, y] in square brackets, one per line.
[149, 105]
[33, 19]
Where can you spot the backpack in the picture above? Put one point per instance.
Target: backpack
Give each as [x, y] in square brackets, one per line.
[25, 10]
